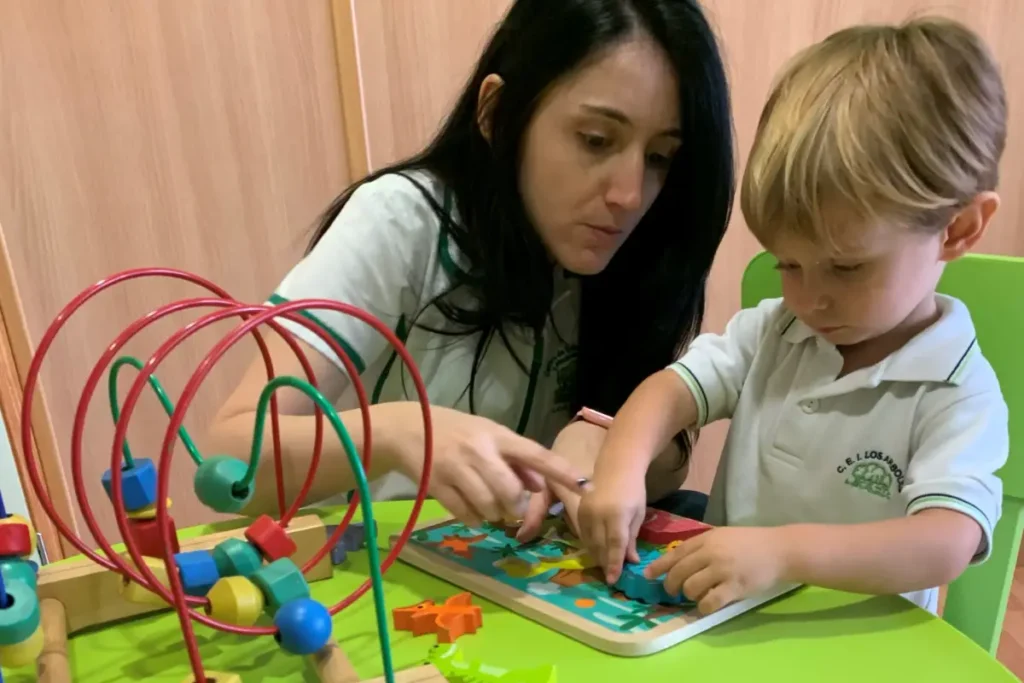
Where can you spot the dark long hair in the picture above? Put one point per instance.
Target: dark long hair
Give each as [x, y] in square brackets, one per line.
[638, 313]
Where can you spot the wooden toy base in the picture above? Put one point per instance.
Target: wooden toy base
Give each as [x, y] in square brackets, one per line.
[554, 583]
[421, 674]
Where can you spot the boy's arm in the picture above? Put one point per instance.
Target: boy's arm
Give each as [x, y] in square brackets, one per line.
[953, 499]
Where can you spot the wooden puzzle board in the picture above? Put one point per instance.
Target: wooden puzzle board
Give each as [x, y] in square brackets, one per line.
[552, 582]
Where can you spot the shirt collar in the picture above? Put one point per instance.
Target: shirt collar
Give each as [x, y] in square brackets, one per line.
[939, 353]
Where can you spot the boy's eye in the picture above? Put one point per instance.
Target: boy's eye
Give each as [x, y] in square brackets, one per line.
[847, 267]
[786, 266]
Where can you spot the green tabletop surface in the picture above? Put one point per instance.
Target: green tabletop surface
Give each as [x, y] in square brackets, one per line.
[811, 635]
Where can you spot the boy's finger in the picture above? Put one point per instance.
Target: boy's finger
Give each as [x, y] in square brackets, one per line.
[614, 553]
[718, 597]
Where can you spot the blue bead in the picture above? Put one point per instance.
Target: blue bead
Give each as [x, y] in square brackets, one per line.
[138, 484]
[198, 572]
[303, 626]
[15, 569]
[216, 482]
[19, 618]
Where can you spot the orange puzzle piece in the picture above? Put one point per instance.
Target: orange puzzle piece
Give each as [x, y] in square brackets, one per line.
[455, 617]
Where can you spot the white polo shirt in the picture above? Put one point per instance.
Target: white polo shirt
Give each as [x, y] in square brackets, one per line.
[926, 427]
[386, 254]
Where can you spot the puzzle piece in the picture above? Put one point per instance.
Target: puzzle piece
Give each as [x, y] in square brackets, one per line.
[352, 538]
[453, 666]
[453, 618]
[518, 568]
[635, 586]
[661, 528]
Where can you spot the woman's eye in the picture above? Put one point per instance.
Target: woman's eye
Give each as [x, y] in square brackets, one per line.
[593, 142]
[659, 161]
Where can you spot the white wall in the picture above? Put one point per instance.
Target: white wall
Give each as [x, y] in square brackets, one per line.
[10, 484]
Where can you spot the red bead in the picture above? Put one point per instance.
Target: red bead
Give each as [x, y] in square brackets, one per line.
[146, 534]
[15, 540]
[270, 539]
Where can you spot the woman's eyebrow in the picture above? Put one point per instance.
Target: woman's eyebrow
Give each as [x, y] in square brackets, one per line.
[620, 117]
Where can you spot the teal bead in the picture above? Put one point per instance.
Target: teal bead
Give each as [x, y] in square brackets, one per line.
[13, 569]
[216, 484]
[281, 582]
[19, 619]
[235, 557]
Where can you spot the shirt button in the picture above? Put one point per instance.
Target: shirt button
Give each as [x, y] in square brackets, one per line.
[810, 405]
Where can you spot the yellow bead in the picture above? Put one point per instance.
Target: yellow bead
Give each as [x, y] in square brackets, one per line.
[148, 512]
[134, 592]
[24, 653]
[235, 600]
[216, 677]
[18, 519]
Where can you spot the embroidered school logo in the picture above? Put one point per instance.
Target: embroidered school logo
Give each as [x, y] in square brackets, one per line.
[871, 477]
[873, 472]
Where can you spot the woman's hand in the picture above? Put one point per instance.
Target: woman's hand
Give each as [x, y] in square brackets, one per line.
[481, 470]
[610, 516]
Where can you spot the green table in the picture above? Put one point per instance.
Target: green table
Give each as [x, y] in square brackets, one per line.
[812, 635]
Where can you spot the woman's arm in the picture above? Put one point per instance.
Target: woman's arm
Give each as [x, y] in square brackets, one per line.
[231, 432]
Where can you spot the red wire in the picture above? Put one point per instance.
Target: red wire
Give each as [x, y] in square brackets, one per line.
[255, 316]
[116, 477]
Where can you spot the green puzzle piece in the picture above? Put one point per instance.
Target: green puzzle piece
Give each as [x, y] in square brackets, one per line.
[449, 661]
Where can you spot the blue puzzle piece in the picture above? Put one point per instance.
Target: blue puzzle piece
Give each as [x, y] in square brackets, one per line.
[353, 538]
[635, 586]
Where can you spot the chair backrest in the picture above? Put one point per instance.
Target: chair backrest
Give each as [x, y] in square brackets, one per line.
[976, 602]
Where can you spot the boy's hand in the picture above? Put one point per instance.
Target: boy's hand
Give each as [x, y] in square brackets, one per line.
[610, 516]
[724, 565]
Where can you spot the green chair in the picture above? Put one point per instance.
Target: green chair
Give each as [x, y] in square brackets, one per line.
[975, 602]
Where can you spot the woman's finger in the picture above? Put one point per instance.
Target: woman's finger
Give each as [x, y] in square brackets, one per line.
[453, 501]
[529, 454]
[477, 494]
[500, 479]
[536, 513]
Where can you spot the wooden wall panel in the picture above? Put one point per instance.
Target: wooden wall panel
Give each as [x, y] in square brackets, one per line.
[414, 58]
[200, 135]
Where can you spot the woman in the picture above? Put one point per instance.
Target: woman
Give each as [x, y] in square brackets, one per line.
[547, 251]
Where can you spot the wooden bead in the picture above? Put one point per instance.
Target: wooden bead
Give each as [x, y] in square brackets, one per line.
[24, 653]
[281, 581]
[146, 534]
[216, 483]
[198, 572]
[235, 600]
[20, 617]
[138, 484]
[235, 557]
[135, 592]
[15, 540]
[14, 569]
[303, 626]
[18, 519]
[216, 677]
[270, 539]
[148, 512]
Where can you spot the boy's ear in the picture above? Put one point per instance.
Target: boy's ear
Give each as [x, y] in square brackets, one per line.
[969, 225]
[489, 91]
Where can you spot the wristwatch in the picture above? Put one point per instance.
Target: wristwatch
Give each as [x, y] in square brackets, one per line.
[594, 417]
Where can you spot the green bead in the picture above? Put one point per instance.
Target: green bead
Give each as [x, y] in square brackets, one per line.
[14, 569]
[215, 484]
[281, 581]
[235, 557]
[19, 619]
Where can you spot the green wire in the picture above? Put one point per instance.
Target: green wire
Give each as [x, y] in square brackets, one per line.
[377, 580]
[115, 409]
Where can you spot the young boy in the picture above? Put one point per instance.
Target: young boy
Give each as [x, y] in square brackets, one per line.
[866, 424]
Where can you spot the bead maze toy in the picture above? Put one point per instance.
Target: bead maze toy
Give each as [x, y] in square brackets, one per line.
[252, 582]
[556, 583]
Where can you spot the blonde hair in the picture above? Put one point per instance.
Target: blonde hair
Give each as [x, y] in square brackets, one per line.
[903, 123]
